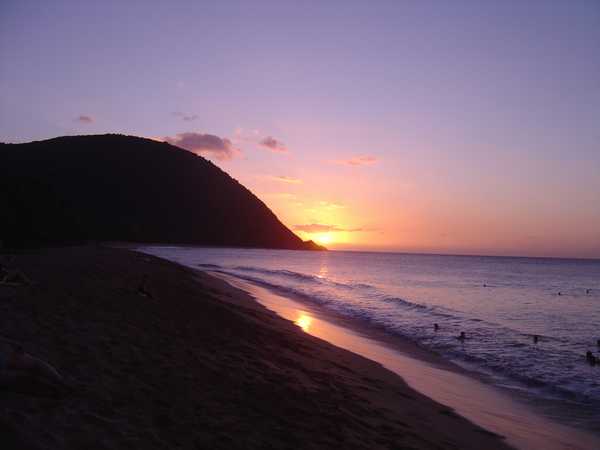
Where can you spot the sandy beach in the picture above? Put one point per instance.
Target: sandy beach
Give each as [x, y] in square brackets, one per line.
[195, 363]
[469, 393]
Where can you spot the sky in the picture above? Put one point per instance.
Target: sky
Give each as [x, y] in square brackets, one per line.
[465, 127]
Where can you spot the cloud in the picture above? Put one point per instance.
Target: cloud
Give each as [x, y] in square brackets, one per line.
[363, 160]
[244, 135]
[186, 117]
[205, 144]
[272, 144]
[284, 179]
[84, 119]
[320, 228]
[330, 205]
[281, 195]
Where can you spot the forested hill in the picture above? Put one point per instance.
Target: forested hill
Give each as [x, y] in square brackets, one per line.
[78, 189]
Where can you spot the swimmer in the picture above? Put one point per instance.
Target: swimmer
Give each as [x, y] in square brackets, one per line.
[436, 327]
[590, 357]
[462, 336]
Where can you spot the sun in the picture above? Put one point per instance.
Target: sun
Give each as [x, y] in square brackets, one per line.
[324, 239]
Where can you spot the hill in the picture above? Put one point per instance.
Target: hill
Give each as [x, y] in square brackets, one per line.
[76, 189]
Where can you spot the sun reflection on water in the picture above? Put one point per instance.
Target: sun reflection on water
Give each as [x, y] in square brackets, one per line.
[323, 270]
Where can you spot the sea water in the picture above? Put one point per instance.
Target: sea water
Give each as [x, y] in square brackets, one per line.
[499, 302]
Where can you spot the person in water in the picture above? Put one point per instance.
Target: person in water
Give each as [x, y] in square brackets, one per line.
[462, 336]
[590, 358]
[535, 338]
[436, 327]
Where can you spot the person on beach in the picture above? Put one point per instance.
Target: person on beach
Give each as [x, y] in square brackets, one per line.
[142, 288]
[12, 277]
[14, 361]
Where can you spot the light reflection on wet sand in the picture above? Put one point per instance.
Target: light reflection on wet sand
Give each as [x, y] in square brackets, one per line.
[469, 397]
[304, 321]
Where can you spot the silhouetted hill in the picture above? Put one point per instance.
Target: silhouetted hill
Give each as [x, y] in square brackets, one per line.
[122, 188]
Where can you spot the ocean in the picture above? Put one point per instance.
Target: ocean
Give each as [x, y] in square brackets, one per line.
[499, 302]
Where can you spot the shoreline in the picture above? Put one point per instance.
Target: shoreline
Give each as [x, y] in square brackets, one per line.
[191, 362]
[520, 424]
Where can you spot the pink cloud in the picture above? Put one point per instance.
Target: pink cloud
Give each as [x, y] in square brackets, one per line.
[207, 145]
[284, 179]
[320, 228]
[185, 117]
[363, 160]
[272, 144]
[84, 119]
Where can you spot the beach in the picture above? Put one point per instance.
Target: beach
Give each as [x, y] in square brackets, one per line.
[467, 392]
[184, 360]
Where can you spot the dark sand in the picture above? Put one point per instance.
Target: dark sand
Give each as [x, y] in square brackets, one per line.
[198, 365]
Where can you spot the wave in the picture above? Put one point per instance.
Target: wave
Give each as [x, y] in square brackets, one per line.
[302, 277]
[320, 299]
[333, 300]
[210, 266]
[495, 363]
[500, 340]
[287, 273]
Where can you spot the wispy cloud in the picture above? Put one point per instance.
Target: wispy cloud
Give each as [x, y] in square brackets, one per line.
[284, 179]
[185, 117]
[280, 195]
[321, 228]
[362, 160]
[244, 135]
[84, 119]
[272, 144]
[205, 144]
[330, 205]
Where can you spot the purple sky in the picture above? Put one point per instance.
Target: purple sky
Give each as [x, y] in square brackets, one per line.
[463, 126]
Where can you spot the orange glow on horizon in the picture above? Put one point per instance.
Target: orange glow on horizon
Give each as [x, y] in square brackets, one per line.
[323, 239]
[362, 210]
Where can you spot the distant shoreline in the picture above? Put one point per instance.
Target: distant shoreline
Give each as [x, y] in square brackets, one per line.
[133, 245]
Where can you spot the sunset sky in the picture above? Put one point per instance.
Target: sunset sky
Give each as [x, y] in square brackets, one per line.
[425, 126]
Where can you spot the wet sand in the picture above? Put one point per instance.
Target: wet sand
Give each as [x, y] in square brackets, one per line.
[191, 362]
[466, 392]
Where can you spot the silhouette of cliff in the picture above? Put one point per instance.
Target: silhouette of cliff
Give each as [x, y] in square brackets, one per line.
[77, 189]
